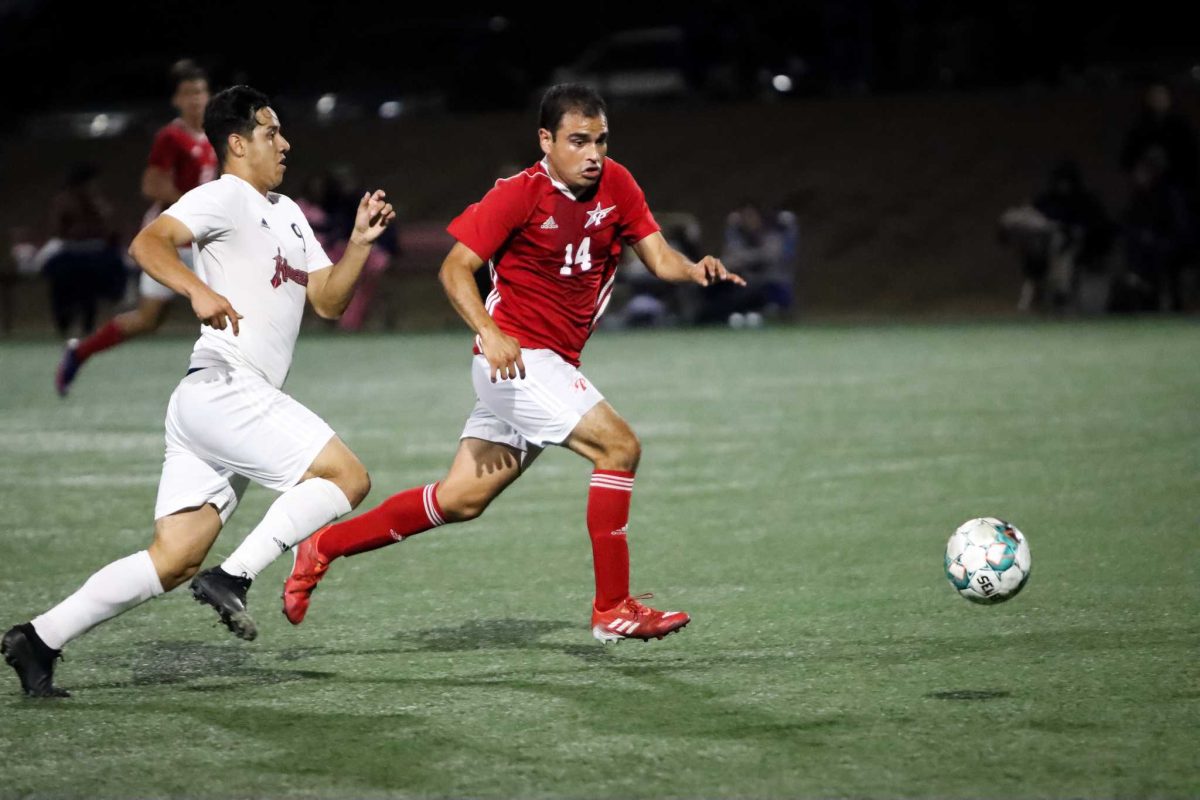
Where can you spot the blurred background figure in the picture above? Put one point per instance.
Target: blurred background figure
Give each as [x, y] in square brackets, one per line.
[761, 247]
[1158, 231]
[1163, 134]
[312, 199]
[1063, 234]
[81, 262]
[653, 302]
[181, 159]
[343, 191]
[1161, 162]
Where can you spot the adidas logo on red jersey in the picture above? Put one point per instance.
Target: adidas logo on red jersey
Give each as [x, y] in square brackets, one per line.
[550, 224]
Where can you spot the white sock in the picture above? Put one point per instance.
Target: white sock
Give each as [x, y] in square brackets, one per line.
[113, 590]
[297, 514]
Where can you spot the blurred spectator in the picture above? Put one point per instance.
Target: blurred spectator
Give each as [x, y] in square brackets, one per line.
[1165, 135]
[85, 266]
[1063, 231]
[762, 248]
[655, 302]
[312, 198]
[1157, 233]
[342, 194]
[1161, 160]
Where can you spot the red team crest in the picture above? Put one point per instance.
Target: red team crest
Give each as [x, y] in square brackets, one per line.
[553, 256]
[284, 272]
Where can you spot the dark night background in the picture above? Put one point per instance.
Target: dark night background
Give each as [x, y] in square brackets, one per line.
[897, 131]
[60, 54]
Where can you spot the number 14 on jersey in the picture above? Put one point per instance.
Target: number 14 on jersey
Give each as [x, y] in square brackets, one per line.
[582, 257]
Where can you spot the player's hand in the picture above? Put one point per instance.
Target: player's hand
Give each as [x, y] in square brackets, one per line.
[503, 353]
[374, 214]
[214, 310]
[708, 271]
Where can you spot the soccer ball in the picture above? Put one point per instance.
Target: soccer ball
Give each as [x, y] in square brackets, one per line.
[987, 560]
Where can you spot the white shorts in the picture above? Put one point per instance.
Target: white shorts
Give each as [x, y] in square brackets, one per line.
[148, 287]
[540, 409]
[225, 426]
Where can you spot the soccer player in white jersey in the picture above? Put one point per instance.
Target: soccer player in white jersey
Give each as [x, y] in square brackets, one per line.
[227, 420]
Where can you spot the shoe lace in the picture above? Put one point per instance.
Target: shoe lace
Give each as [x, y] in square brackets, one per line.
[634, 605]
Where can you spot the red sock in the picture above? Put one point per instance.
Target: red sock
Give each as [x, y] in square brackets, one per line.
[109, 336]
[393, 520]
[607, 516]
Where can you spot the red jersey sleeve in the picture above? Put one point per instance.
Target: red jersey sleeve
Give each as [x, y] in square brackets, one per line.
[636, 220]
[162, 152]
[485, 226]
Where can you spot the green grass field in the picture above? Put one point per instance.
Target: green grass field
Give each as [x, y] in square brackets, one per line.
[797, 488]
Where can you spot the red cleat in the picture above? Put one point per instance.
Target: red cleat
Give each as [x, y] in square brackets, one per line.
[632, 620]
[307, 570]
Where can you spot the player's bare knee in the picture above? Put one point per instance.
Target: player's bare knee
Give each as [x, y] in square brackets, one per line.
[360, 486]
[174, 566]
[461, 507]
[354, 481]
[621, 453]
[181, 575]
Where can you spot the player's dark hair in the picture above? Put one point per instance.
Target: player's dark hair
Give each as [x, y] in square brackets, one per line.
[562, 99]
[186, 70]
[229, 111]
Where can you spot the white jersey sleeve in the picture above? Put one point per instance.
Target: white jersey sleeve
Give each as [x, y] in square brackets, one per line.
[205, 212]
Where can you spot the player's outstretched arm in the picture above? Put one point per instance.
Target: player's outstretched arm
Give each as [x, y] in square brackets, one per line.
[457, 275]
[330, 290]
[669, 264]
[156, 251]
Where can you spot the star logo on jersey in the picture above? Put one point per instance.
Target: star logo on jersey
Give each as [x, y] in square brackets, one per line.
[597, 214]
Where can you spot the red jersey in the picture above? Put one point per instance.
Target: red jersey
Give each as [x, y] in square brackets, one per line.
[553, 257]
[187, 157]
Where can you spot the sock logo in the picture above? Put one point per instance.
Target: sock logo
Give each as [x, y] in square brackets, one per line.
[283, 548]
[396, 536]
[621, 531]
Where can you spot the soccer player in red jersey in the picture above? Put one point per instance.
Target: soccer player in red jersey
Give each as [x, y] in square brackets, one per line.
[552, 235]
[181, 159]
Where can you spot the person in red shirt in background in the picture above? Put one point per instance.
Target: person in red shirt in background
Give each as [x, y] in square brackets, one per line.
[551, 236]
[181, 159]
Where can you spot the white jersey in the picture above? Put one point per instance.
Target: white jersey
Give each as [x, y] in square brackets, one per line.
[256, 251]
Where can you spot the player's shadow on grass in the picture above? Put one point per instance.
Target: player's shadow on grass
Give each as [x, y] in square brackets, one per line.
[483, 634]
[164, 663]
[504, 634]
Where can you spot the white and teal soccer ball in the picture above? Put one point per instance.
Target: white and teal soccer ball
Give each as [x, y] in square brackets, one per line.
[987, 560]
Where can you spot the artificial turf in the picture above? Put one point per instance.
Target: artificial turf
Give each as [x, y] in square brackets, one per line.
[796, 490]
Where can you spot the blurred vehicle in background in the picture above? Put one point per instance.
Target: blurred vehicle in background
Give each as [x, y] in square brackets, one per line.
[632, 65]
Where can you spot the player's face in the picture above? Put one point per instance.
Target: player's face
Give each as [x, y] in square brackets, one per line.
[266, 150]
[190, 99]
[576, 151]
